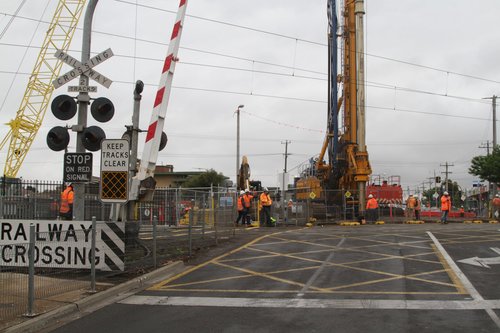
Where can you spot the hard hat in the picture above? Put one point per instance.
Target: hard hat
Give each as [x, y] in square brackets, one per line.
[411, 195]
[498, 195]
[242, 192]
[370, 196]
[247, 190]
[445, 193]
[265, 189]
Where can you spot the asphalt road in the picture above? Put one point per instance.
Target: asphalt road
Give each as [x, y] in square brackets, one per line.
[388, 278]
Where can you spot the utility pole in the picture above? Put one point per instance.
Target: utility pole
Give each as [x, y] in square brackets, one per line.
[493, 186]
[286, 142]
[446, 165]
[486, 146]
[238, 144]
[83, 100]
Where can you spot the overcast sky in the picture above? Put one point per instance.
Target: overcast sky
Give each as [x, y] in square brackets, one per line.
[430, 63]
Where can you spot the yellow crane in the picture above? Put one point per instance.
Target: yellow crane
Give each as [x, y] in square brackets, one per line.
[29, 117]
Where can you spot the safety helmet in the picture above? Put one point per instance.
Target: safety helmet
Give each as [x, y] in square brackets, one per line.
[242, 192]
[370, 196]
[247, 190]
[265, 189]
[498, 195]
[445, 193]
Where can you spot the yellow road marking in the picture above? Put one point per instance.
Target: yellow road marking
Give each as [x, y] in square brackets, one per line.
[162, 283]
[453, 277]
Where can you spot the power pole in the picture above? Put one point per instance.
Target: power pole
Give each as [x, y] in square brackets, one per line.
[486, 146]
[83, 99]
[446, 165]
[286, 142]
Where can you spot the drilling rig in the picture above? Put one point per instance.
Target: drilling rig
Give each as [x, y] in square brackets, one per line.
[348, 167]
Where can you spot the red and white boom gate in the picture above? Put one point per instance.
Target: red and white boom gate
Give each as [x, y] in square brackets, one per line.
[143, 180]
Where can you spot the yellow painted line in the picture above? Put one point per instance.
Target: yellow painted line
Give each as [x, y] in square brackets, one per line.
[380, 222]
[162, 283]
[477, 221]
[467, 221]
[493, 222]
[453, 277]
[235, 277]
[267, 276]
[409, 277]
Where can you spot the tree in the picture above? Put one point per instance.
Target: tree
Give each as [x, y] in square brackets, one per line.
[210, 177]
[487, 167]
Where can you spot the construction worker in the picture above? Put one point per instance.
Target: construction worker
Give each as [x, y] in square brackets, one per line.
[462, 211]
[66, 208]
[445, 207]
[266, 202]
[239, 205]
[371, 209]
[410, 207]
[418, 208]
[496, 207]
[247, 204]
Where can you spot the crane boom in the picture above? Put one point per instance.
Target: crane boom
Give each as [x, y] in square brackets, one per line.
[29, 117]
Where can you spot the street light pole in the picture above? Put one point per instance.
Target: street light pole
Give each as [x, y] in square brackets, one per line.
[238, 143]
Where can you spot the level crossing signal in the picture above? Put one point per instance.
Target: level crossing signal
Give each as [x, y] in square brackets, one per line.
[64, 107]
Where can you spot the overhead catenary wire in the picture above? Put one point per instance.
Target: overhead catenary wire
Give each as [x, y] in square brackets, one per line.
[446, 71]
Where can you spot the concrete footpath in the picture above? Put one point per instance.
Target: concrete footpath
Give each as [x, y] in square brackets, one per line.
[73, 310]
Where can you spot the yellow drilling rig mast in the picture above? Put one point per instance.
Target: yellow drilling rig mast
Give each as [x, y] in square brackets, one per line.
[29, 117]
[348, 167]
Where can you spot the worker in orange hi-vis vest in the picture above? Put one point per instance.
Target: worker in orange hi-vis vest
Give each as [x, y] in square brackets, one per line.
[66, 209]
[266, 202]
[445, 207]
[371, 209]
[247, 204]
[239, 205]
[496, 207]
[410, 207]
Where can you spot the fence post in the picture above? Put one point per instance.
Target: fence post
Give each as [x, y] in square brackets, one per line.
[190, 230]
[203, 219]
[155, 223]
[31, 273]
[92, 256]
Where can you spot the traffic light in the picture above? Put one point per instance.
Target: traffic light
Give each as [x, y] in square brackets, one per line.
[58, 138]
[438, 179]
[92, 137]
[63, 107]
[102, 109]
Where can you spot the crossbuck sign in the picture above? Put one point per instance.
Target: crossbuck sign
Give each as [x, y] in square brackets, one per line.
[83, 68]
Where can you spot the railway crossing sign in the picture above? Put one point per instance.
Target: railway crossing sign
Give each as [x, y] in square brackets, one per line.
[114, 170]
[83, 69]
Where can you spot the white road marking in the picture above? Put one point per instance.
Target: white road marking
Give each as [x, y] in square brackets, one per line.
[312, 303]
[465, 281]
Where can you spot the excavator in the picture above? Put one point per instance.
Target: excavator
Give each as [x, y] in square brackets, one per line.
[348, 167]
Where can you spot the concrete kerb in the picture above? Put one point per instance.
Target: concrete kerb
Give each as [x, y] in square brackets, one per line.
[96, 301]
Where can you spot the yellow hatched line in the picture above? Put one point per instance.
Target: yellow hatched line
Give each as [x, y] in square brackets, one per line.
[162, 283]
[355, 268]
[267, 276]
[411, 277]
[451, 273]
[235, 277]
